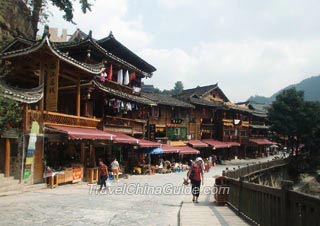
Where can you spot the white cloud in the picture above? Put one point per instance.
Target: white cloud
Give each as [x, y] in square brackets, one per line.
[242, 68]
[107, 15]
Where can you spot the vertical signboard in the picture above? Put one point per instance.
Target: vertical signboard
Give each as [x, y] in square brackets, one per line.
[52, 75]
[30, 150]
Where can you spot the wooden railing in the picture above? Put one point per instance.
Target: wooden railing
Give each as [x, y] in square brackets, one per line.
[269, 206]
[53, 118]
[121, 88]
[249, 169]
[125, 124]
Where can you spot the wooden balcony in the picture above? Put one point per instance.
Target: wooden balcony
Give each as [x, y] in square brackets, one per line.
[53, 118]
[125, 125]
[121, 88]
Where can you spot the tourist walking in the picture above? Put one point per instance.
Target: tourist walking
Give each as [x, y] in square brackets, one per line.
[115, 169]
[195, 174]
[103, 170]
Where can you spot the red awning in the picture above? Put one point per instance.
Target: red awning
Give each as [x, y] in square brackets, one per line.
[169, 149]
[233, 144]
[262, 141]
[149, 144]
[216, 144]
[122, 138]
[186, 150]
[84, 133]
[197, 144]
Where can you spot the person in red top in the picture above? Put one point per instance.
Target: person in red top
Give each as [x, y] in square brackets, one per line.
[103, 172]
[195, 174]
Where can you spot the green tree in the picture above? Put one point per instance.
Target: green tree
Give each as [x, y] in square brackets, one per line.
[10, 114]
[310, 129]
[178, 88]
[39, 10]
[287, 115]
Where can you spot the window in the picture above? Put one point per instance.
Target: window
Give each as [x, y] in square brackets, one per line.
[243, 133]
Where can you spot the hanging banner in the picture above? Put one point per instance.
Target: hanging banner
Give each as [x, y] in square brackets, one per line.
[30, 150]
[52, 74]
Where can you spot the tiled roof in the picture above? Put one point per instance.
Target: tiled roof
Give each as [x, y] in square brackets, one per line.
[259, 126]
[111, 44]
[93, 69]
[198, 91]
[28, 96]
[89, 40]
[167, 100]
[121, 95]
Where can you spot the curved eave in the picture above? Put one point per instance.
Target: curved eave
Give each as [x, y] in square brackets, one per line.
[28, 96]
[112, 38]
[56, 52]
[128, 97]
[104, 52]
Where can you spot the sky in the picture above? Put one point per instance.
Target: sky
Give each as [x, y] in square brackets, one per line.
[248, 47]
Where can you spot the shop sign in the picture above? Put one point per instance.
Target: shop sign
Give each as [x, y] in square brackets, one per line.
[52, 75]
[29, 161]
[176, 121]
[76, 175]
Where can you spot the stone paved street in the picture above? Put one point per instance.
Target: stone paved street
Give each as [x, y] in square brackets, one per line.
[73, 205]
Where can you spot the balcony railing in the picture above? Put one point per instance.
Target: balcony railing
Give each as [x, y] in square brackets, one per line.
[121, 88]
[53, 118]
[126, 125]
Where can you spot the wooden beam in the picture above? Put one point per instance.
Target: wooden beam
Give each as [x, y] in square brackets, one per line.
[7, 158]
[25, 117]
[78, 97]
[41, 81]
[69, 78]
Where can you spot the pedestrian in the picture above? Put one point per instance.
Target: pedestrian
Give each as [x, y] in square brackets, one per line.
[195, 174]
[115, 169]
[103, 170]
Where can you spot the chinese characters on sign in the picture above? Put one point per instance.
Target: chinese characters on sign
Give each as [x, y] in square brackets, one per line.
[52, 75]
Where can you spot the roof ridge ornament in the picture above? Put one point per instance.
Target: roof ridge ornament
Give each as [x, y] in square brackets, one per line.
[90, 34]
[46, 31]
[111, 34]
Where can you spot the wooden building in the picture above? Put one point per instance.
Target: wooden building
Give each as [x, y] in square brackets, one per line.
[79, 97]
[217, 121]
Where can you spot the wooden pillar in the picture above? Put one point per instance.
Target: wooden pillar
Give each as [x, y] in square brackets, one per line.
[78, 98]
[7, 158]
[82, 154]
[41, 81]
[25, 117]
[92, 155]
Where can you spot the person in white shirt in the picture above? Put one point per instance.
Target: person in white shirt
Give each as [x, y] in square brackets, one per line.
[115, 169]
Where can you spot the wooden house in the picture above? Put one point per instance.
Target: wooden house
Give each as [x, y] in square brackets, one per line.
[79, 96]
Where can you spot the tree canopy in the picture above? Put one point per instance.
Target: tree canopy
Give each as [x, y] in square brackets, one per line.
[178, 88]
[297, 119]
[10, 113]
[39, 10]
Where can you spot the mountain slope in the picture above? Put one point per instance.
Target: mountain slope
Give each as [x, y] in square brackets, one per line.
[310, 86]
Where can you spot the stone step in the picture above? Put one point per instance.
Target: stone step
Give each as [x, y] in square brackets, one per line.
[35, 187]
[8, 182]
[1, 175]
[6, 179]
[11, 187]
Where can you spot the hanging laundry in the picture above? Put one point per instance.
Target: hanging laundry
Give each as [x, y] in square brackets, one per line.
[126, 78]
[110, 73]
[120, 76]
[129, 107]
[133, 76]
[103, 75]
